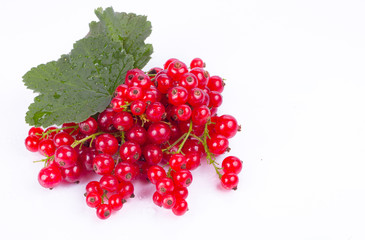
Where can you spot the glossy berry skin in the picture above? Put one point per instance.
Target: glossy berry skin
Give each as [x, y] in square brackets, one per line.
[196, 129]
[177, 162]
[118, 104]
[181, 192]
[63, 138]
[116, 202]
[103, 164]
[215, 99]
[197, 62]
[36, 132]
[31, 143]
[177, 96]
[192, 160]
[105, 120]
[193, 146]
[121, 91]
[200, 115]
[86, 158]
[164, 83]
[164, 185]
[227, 126]
[158, 132]
[182, 178]
[188, 81]
[183, 112]
[46, 147]
[134, 93]
[50, 176]
[106, 143]
[176, 69]
[196, 97]
[65, 156]
[155, 112]
[123, 121]
[156, 173]
[94, 187]
[130, 151]
[89, 126]
[103, 211]
[142, 80]
[72, 174]
[126, 189]
[202, 76]
[93, 199]
[109, 183]
[71, 128]
[168, 62]
[229, 181]
[217, 144]
[137, 134]
[130, 74]
[168, 201]
[50, 133]
[138, 107]
[180, 207]
[157, 199]
[215, 83]
[126, 171]
[232, 164]
[152, 154]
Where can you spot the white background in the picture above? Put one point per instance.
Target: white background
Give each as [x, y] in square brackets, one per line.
[295, 81]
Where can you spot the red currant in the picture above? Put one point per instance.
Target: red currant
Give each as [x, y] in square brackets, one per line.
[182, 178]
[192, 160]
[71, 128]
[168, 201]
[215, 83]
[164, 83]
[158, 132]
[35, 131]
[200, 115]
[126, 189]
[180, 207]
[202, 76]
[156, 173]
[157, 199]
[137, 134]
[31, 143]
[188, 81]
[46, 147]
[106, 143]
[152, 154]
[232, 164]
[103, 164]
[72, 174]
[155, 112]
[177, 162]
[130, 151]
[177, 96]
[65, 156]
[138, 107]
[227, 126]
[229, 181]
[121, 91]
[164, 185]
[183, 112]
[105, 120]
[130, 74]
[86, 157]
[181, 192]
[50, 176]
[176, 69]
[126, 171]
[123, 121]
[63, 138]
[197, 62]
[94, 187]
[118, 104]
[103, 211]
[93, 199]
[134, 93]
[217, 144]
[116, 202]
[109, 183]
[215, 99]
[89, 126]
[167, 63]
[196, 97]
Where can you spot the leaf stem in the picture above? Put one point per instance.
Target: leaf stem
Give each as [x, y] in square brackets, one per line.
[92, 137]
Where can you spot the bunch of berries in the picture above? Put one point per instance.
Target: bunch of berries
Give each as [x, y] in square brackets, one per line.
[159, 126]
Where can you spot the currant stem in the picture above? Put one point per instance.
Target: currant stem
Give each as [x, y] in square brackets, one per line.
[186, 137]
[92, 137]
[44, 134]
[176, 142]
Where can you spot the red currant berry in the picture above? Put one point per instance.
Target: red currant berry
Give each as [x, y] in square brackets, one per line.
[193, 145]
[215, 99]
[106, 143]
[168, 201]
[86, 158]
[158, 132]
[94, 187]
[184, 126]
[116, 202]
[157, 199]
[134, 93]
[130, 74]
[167, 63]
[176, 69]
[141, 80]
[126, 171]
[177, 162]
[126, 189]
[232, 164]
[183, 112]
[50, 132]
[200, 115]
[181, 192]
[63, 138]
[121, 91]
[155, 112]
[177, 96]
[103, 164]
[46, 147]
[65, 156]
[217, 144]
[35, 131]
[72, 174]
[105, 120]
[227, 126]
[93, 199]
[103, 211]
[180, 207]
[215, 83]
[31, 143]
[130, 151]
[156, 173]
[109, 183]
[123, 121]
[50, 176]
[89, 126]
[164, 83]
[202, 76]
[229, 181]
[164, 185]
[192, 160]
[188, 81]
[118, 104]
[182, 178]
[196, 97]
[152, 154]
[138, 107]
[197, 62]
[137, 134]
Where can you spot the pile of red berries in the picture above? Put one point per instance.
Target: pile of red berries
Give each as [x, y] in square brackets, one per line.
[159, 126]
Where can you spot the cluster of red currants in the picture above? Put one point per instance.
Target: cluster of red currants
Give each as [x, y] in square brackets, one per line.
[159, 126]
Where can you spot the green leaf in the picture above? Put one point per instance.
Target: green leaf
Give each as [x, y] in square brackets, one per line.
[129, 29]
[78, 85]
